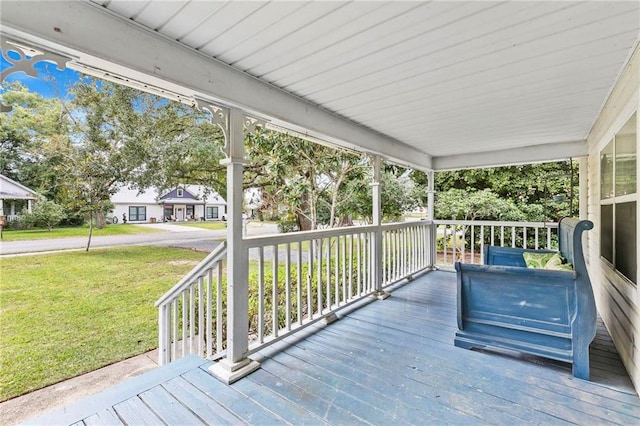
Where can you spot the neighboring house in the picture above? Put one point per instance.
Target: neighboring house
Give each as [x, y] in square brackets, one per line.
[17, 197]
[188, 202]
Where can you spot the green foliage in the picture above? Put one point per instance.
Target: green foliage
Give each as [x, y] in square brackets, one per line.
[45, 213]
[458, 204]
[398, 196]
[301, 178]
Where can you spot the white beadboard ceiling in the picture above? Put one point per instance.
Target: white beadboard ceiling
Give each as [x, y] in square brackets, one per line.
[444, 78]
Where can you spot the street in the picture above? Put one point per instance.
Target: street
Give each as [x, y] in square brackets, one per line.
[172, 235]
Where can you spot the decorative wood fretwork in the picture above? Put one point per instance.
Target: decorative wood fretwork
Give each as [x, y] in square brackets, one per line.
[28, 56]
[220, 117]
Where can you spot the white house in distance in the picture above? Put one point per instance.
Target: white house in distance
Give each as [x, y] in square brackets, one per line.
[16, 195]
[188, 202]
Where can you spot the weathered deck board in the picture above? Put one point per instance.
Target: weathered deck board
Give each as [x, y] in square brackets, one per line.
[389, 362]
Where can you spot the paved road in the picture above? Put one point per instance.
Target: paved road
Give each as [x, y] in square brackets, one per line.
[195, 238]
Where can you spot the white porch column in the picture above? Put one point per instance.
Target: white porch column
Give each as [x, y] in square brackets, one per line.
[13, 209]
[29, 205]
[1, 207]
[430, 192]
[376, 255]
[236, 364]
[583, 187]
[431, 216]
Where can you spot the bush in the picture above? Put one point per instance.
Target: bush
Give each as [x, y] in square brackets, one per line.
[45, 214]
[285, 226]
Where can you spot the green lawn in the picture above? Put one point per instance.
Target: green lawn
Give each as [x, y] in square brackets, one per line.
[67, 314]
[79, 231]
[205, 225]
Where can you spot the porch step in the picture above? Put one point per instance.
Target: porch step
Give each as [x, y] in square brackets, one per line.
[109, 397]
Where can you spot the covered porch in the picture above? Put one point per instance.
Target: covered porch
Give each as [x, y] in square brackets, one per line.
[383, 362]
[464, 85]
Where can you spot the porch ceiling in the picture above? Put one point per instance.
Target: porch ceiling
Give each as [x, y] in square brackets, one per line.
[431, 84]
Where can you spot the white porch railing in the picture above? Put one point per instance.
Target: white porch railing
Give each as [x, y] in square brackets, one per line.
[297, 279]
[465, 240]
[190, 314]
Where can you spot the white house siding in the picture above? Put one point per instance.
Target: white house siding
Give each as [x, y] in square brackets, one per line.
[617, 299]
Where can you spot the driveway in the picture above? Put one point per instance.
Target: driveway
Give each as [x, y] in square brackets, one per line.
[172, 235]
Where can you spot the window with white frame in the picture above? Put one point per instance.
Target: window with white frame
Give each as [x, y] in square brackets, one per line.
[619, 201]
[180, 192]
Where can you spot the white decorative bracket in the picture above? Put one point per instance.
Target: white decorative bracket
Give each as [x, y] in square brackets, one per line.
[28, 57]
[220, 117]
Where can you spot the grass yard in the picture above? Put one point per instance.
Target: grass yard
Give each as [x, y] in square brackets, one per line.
[78, 231]
[206, 225]
[70, 313]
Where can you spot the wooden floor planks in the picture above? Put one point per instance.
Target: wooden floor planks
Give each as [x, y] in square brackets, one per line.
[389, 362]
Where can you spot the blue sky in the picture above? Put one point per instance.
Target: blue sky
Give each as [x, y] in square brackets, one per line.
[50, 83]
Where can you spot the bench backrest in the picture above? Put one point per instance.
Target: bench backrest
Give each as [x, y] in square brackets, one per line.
[570, 242]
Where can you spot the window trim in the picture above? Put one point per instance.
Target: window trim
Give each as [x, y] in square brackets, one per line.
[137, 215]
[616, 200]
[179, 192]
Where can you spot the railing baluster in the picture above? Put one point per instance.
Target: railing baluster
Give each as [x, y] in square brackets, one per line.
[473, 244]
[319, 284]
[261, 294]
[336, 282]
[209, 313]
[501, 236]
[299, 282]
[524, 237]
[513, 236]
[175, 333]
[328, 275]
[201, 325]
[310, 281]
[288, 287]
[219, 311]
[536, 238]
[275, 293]
[481, 244]
[185, 324]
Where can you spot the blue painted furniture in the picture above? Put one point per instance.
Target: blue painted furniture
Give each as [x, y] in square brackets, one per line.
[542, 312]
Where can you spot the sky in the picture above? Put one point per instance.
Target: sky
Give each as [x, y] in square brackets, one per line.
[50, 83]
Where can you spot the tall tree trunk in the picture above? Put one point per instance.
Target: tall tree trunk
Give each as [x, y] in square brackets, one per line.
[100, 220]
[90, 230]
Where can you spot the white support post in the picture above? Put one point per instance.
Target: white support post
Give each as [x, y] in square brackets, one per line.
[376, 255]
[29, 205]
[583, 194]
[236, 364]
[13, 209]
[431, 216]
[1, 207]
[430, 192]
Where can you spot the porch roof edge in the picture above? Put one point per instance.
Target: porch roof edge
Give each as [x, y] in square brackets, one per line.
[513, 156]
[100, 39]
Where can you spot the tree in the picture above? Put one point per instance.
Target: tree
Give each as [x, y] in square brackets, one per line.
[458, 204]
[310, 180]
[30, 136]
[542, 191]
[397, 192]
[45, 213]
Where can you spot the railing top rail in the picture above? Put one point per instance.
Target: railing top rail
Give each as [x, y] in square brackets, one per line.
[216, 255]
[497, 223]
[401, 225]
[293, 237]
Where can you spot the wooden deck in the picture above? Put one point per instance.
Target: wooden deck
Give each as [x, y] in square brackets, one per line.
[389, 362]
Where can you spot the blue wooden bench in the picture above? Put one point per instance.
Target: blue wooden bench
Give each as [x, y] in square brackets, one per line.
[548, 313]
